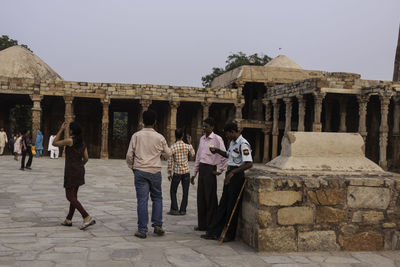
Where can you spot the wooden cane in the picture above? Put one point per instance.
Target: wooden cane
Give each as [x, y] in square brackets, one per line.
[221, 240]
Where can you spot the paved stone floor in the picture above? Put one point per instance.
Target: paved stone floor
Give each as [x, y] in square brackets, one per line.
[32, 205]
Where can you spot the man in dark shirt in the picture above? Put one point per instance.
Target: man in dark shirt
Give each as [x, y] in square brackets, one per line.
[26, 148]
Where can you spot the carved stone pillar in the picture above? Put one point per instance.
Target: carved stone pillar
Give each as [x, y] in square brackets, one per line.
[275, 129]
[302, 112]
[206, 109]
[362, 113]
[144, 105]
[173, 105]
[69, 109]
[396, 133]
[36, 114]
[383, 130]
[104, 129]
[343, 113]
[318, 98]
[267, 130]
[288, 113]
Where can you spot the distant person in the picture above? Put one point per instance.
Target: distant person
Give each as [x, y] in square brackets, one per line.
[239, 160]
[11, 142]
[54, 151]
[3, 140]
[17, 146]
[208, 166]
[76, 156]
[178, 171]
[39, 144]
[26, 147]
[144, 158]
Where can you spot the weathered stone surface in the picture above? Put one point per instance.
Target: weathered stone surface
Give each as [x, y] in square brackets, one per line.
[279, 198]
[317, 240]
[368, 216]
[277, 239]
[349, 229]
[264, 218]
[389, 225]
[330, 215]
[368, 197]
[367, 241]
[295, 215]
[327, 197]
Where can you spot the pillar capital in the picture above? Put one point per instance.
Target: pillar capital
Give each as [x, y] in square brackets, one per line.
[36, 97]
[68, 99]
[174, 104]
[363, 98]
[287, 100]
[145, 103]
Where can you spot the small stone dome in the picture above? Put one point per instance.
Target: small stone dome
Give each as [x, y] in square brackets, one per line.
[19, 62]
[282, 61]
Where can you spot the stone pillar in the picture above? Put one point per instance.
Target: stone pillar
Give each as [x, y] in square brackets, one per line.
[302, 112]
[343, 113]
[69, 109]
[288, 113]
[275, 129]
[36, 114]
[318, 98]
[104, 129]
[362, 114]
[173, 105]
[144, 105]
[383, 130]
[206, 108]
[267, 129]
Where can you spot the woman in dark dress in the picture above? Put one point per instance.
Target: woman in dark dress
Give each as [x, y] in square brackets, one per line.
[76, 156]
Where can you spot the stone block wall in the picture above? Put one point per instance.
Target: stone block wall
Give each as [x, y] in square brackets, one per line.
[319, 212]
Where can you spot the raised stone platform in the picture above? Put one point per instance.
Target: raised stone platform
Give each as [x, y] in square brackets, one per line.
[315, 210]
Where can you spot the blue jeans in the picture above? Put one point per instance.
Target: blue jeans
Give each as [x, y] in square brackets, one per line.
[146, 183]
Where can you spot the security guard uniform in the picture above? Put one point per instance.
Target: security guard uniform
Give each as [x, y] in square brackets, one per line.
[238, 153]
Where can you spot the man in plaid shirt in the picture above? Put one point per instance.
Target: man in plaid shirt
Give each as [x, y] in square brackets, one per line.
[178, 171]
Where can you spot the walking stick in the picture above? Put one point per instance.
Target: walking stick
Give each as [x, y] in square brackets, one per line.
[221, 240]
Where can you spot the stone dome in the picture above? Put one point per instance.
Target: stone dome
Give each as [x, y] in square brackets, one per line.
[283, 61]
[19, 62]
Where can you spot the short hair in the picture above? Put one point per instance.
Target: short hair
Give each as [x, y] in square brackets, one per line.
[210, 121]
[231, 127]
[149, 117]
[178, 133]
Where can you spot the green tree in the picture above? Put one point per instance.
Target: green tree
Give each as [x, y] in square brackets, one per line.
[6, 42]
[233, 61]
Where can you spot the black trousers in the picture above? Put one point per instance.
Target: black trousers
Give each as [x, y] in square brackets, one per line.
[24, 152]
[207, 200]
[229, 196]
[176, 179]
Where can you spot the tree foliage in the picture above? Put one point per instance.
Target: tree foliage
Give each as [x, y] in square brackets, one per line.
[233, 61]
[6, 42]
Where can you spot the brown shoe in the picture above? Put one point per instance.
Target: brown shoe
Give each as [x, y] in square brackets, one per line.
[88, 223]
[66, 223]
[140, 235]
[158, 230]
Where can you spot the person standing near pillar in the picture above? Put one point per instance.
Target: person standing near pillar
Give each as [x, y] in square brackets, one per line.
[76, 156]
[3, 140]
[39, 144]
[178, 171]
[26, 147]
[143, 157]
[18, 146]
[208, 166]
[54, 151]
[239, 160]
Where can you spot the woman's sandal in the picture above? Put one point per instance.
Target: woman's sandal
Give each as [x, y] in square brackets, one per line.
[65, 223]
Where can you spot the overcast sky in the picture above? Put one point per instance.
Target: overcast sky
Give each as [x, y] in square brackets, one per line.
[177, 42]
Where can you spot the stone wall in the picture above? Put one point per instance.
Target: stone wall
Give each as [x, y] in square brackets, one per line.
[320, 212]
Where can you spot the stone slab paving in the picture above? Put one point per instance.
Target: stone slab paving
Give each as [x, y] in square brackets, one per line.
[32, 205]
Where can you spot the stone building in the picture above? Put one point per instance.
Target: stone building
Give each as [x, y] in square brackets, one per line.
[265, 100]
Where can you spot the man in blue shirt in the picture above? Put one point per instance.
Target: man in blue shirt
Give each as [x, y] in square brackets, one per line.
[239, 160]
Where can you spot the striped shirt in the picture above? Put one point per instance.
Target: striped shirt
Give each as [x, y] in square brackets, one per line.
[178, 162]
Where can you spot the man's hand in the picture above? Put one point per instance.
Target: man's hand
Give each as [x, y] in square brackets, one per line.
[228, 178]
[214, 150]
[216, 173]
[169, 177]
[192, 179]
[63, 126]
[189, 140]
